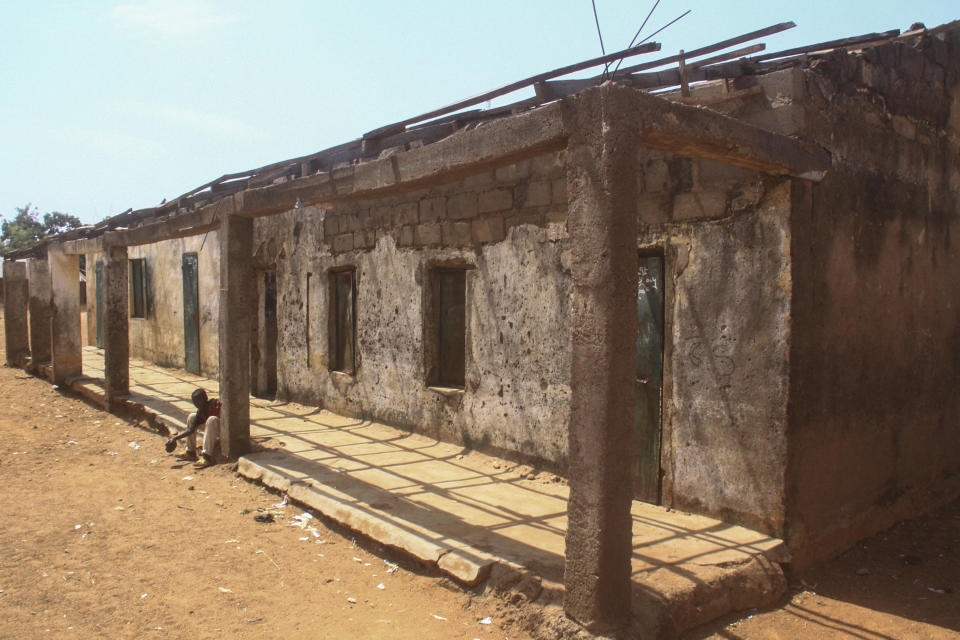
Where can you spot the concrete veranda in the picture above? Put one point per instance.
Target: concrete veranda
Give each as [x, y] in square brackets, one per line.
[466, 512]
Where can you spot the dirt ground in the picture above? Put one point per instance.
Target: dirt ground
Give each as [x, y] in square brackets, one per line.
[106, 536]
[901, 584]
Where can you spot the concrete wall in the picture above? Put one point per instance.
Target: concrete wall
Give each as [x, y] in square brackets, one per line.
[158, 337]
[91, 308]
[508, 227]
[875, 360]
[725, 237]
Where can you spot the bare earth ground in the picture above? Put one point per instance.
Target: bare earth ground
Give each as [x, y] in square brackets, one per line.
[104, 536]
[901, 584]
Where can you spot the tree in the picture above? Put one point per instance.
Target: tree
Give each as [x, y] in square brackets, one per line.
[26, 228]
[56, 222]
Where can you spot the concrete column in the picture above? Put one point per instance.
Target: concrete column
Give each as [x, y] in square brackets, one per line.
[237, 306]
[67, 354]
[602, 191]
[116, 343]
[15, 310]
[41, 311]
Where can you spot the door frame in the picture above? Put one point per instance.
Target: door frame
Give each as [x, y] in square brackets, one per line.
[98, 301]
[654, 496]
[187, 324]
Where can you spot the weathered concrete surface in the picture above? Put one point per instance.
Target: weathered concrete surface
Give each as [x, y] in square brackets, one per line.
[116, 343]
[41, 301]
[15, 301]
[602, 192]
[158, 337]
[463, 510]
[237, 298]
[507, 225]
[66, 338]
[725, 239]
[875, 354]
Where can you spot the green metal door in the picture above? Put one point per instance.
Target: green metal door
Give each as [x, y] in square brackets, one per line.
[647, 426]
[191, 314]
[99, 293]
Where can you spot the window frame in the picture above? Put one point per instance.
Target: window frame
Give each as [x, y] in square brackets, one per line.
[435, 342]
[138, 287]
[338, 358]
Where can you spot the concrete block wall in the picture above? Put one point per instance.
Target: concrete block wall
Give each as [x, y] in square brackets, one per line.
[476, 211]
[508, 227]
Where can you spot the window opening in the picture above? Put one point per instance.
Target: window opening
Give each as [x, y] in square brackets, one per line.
[138, 306]
[450, 298]
[343, 323]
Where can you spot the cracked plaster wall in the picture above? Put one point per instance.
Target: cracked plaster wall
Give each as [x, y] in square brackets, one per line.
[158, 337]
[507, 227]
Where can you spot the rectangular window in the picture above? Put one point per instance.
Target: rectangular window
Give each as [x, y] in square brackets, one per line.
[449, 309]
[343, 322]
[138, 288]
[309, 318]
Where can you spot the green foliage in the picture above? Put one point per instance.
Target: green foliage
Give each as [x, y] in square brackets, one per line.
[56, 222]
[27, 228]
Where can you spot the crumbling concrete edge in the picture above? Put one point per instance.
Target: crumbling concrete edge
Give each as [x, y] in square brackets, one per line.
[93, 391]
[757, 583]
[462, 562]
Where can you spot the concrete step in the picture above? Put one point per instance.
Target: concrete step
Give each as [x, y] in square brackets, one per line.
[90, 388]
[278, 470]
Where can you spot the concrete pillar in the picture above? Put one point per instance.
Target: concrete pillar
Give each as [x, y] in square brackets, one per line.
[15, 310]
[41, 311]
[602, 190]
[67, 354]
[237, 306]
[116, 343]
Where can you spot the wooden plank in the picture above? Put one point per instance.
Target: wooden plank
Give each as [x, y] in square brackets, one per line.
[226, 188]
[267, 177]
[556, 89]
[513, 86]
[477, 115]
[829, 44]
[724, 57]
[684, 83]
[174, 204]
[713, 48]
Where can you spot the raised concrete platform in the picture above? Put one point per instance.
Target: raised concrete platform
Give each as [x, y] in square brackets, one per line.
[469, 514]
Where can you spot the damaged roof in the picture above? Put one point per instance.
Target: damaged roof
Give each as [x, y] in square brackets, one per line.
[673, 74]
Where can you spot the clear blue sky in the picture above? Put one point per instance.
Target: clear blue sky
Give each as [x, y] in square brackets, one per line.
[110, 105]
